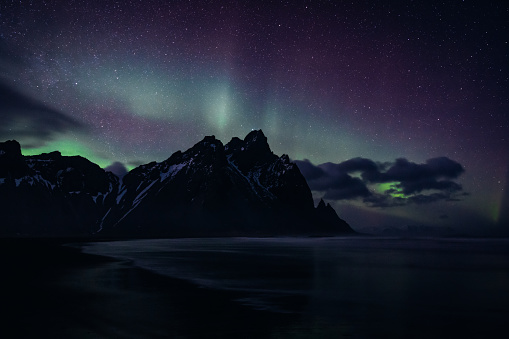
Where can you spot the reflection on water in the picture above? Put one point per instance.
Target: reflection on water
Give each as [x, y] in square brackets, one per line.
[364, 287]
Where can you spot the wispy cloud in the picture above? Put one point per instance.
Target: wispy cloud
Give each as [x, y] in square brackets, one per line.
[26, 118]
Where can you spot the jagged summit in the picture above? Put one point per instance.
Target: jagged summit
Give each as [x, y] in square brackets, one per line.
[51, 155]
[256, 141]
[328, 216]
[321, 204]
[210, 139]
[241, 188]
[253, 151]
[12, 163]
[256, 138]
[10, 148]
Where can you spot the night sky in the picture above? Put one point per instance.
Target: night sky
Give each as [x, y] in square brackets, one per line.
[397, 112]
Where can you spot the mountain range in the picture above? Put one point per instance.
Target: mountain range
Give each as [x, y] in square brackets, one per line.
[238, 189]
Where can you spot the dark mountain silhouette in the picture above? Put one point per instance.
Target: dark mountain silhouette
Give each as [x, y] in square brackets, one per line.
[240, 188]
[51, 194]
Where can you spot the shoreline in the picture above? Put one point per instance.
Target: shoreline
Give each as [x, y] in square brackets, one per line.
[50, 290]
[58, 291]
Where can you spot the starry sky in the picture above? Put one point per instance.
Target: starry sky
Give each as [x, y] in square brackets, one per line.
[397, 112]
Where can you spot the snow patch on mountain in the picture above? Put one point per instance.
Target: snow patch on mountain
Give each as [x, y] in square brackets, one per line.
[102, 221]
[253, 179]
[143, 194]
[47, 183]
[174, 169]
[119, 197]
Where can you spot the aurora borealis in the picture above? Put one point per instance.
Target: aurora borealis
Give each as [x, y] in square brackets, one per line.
[393, 85]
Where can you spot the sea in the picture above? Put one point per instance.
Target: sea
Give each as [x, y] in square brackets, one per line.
[356, 287]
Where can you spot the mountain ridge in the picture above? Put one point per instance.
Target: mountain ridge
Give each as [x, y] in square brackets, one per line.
[238, 189]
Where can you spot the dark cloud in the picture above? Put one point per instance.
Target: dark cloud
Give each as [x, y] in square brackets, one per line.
[26, 118]
[332, 179]
[414, 178]
[444, 167]
[384, 200]
[308, 170]
[411, 183]
[411, 187]
[403, 170]
[359, 165]
[117, 168]
[346, 187]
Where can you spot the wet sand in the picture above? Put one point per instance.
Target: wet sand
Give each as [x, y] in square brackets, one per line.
[47, 290]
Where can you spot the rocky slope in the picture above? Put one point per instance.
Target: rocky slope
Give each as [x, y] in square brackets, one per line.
[240, 188]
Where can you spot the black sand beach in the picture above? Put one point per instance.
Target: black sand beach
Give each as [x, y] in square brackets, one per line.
[356, 288]
[50, 291]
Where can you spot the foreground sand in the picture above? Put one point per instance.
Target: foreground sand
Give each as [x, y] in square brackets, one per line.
[50, 291]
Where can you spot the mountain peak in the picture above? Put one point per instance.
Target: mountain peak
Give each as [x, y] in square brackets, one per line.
[321, 204]
[255, 135]
[257, 140]
[209, 139]
[12, 163]
[328, 216]
[10, 148]
[55, 155]
[207, 142]
[254, 150]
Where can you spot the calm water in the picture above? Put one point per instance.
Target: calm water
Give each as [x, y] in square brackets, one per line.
[355, 287]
